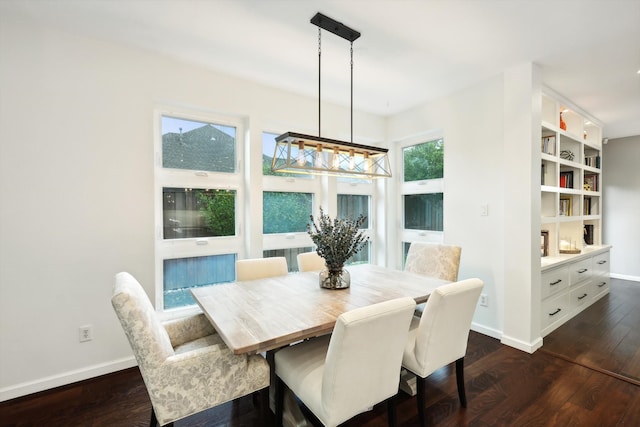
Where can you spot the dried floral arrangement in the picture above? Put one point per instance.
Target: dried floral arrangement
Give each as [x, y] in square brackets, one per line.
[337, 240]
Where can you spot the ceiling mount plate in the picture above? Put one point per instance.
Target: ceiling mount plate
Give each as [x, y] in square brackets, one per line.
[335, 27]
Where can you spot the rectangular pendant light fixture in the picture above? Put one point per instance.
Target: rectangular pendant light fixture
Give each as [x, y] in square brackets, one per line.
[307, 154]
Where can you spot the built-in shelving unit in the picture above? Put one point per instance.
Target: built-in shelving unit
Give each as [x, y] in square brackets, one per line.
[574, 263]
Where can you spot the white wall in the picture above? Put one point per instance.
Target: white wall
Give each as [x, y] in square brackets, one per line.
[472, 126]
[621, 210]
[77, 185]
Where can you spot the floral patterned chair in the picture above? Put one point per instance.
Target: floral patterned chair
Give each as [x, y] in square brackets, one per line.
[434, 260]
[184, 363]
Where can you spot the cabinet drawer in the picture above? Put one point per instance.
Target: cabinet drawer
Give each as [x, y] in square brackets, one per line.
[600, 285]
[581, 296]
[553, 281]
[580, 271]
[600, 264]
[554, 310]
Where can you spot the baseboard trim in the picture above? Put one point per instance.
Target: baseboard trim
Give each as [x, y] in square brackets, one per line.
[484, 330]
[625, 277]
[528, 347]
[46, 383]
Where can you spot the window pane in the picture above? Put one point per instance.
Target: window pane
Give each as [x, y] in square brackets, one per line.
[290, 254]
[189, 213]
[188, 144]
[352, 206]
[285, 212]
[362, 257]
[423, 211]
[423, 161]
[184, 273]
[268, 149]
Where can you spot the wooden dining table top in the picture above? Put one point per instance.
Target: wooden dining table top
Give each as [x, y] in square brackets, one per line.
[260, 315]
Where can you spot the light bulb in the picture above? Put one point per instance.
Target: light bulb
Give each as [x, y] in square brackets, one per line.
[319, 162]
[336, 158]
[301, 161]
[352, 160]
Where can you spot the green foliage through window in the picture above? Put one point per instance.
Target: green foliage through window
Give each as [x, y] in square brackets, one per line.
[285, 212]
[424, 161]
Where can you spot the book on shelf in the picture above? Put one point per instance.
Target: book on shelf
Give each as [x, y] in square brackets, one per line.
[549, 145]
[566, 179]
[591, 182]
[592, 161]
[588, 234]
[587, 206]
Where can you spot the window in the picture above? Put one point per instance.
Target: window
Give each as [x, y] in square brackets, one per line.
[199, 199]
[286, 212]
[352, 206]
[422, 196]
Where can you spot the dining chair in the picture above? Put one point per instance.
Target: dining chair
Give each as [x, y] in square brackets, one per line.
[261, 268]
[341, 375]
[434, 260]
[310, 261]
[185, 365]
[440, 336]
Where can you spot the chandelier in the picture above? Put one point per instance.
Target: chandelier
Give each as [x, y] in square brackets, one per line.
[308, 154]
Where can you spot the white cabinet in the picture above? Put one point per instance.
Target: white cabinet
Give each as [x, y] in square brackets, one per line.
[571, 283]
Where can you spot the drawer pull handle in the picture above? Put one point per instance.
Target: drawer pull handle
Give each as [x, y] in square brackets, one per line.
[602, 262]
[602, 284]
[582, 297]
[583, 270]
[556, 282]
[555, 312]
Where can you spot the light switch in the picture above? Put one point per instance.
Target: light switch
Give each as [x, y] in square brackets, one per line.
[484, 210]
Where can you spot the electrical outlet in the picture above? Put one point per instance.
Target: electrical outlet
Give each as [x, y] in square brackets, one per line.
[85, 333]
[484, 300]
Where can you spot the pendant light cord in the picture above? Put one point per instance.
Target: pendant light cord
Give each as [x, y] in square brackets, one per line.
[319, 73]
[351, 91]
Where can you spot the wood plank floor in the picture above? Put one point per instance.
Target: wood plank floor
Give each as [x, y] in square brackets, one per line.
[606, 336]
[505, 387]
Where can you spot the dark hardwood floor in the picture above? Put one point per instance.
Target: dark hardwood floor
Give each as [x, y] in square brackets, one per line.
[606, 336]
[505, 387]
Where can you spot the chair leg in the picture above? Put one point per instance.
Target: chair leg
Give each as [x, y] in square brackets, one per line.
[154, 420]
[420, 382]
[391, 411]
[264, 403]
[460, 380]
[279, 401]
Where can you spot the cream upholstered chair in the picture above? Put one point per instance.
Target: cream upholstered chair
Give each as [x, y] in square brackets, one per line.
[434, 260]
[440, 336]
[344, 374]
[184, 363]
[310, 261]
[261, 268]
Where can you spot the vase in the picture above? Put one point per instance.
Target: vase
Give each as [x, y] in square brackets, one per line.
[335, 279]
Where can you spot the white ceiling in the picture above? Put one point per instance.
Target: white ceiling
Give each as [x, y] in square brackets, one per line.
[410, 52]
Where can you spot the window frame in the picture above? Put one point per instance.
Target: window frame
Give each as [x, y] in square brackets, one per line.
[426, 186]
[183, 178]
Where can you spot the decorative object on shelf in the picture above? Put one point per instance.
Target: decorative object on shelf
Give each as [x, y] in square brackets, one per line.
[566, 155]
[307, 154]
[563, 125]
[568, 247]
[544, 243]
[336, 241]
[590, 180]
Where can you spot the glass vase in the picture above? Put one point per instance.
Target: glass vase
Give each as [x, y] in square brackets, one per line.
[335, 279]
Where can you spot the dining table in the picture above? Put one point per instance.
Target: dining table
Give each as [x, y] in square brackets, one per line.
[260, 315]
